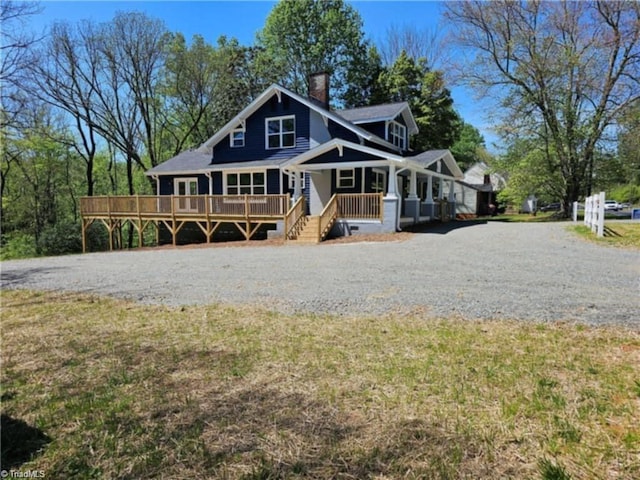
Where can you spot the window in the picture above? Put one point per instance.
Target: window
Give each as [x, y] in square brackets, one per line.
[346, 178]
[246, 183]
[237, 138]
[281, 132]
[292, 183]
[378, 180]
[397, 134]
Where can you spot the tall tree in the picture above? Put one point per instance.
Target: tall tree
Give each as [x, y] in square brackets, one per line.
[60, 79]
[564, 71]
[301, 37]
[14, 54]
[431, 103]
[415, 42]
[470, 146]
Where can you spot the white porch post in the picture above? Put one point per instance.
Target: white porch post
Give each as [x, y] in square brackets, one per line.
[412, 202]
[297, 188]
[392, 189]
[427, 205]
[391, 214]
[413, 182]
[429, 198]
[452, 200]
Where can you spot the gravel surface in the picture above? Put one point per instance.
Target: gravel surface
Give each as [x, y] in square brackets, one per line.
[475, 270]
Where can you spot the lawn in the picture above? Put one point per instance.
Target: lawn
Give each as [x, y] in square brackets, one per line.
[615, 233]
[101, 388]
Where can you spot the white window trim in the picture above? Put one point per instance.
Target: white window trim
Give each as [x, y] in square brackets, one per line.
[178, 180]
[234, 131]
[378, 171]
[292, 184]
[266, 132]
[401, 135]
[346, 174]
[225, 187]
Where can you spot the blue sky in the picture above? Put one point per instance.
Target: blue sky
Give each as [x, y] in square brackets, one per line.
[242, 19]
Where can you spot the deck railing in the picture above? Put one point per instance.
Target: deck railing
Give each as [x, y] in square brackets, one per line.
[197, 205]
[360, 205]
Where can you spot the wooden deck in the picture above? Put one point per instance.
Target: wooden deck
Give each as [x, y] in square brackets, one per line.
[208, 212]
[247, 212]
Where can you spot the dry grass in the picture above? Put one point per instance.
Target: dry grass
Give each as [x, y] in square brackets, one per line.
[119, 390]
[615, 233]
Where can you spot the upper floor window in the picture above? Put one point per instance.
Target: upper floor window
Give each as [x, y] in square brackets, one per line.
[397, 134]
[281, 132]
[237, 138]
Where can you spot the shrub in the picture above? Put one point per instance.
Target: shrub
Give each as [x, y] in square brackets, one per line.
[17, 245]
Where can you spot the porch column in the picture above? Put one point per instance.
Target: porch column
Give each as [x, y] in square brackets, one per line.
[392, 181]
[452, 200]
[391, 215]
[297, 188]
[412, 202]
[427, 205]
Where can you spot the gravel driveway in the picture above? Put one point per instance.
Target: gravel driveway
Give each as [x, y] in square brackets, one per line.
[483, 270]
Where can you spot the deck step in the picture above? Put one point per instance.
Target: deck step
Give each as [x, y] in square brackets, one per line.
[309, 233]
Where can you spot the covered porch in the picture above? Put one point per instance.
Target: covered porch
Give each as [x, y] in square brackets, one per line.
[414, 190]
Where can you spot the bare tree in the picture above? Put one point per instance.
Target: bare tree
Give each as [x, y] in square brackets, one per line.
[563, 71]
[417, 43]
[14, 53]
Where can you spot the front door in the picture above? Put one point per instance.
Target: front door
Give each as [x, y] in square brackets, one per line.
[186, 187]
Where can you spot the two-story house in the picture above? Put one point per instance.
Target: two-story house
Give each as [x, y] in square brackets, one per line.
[356, 164]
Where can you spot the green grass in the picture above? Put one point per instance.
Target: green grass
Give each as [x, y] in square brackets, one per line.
[617, 234]
[109, 389]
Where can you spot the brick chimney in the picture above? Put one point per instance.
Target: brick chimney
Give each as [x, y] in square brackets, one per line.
[319, 88]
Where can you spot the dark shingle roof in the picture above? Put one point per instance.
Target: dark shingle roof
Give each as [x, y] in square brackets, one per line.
[376, 112]
[189, 161]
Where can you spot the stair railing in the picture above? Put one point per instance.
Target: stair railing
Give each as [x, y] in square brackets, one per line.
[327, 217]
[294, 219]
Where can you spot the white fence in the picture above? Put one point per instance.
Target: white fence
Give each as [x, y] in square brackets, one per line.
[594, 213]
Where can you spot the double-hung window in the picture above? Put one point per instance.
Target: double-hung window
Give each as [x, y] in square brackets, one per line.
[397, 134]
[246, 183]
[346, 178]
[292, 180]
[281, 132]
[237, 138]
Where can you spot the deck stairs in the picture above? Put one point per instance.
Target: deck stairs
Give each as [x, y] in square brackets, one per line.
[310, 232]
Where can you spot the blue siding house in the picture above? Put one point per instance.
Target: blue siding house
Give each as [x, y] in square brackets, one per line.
[348, 171]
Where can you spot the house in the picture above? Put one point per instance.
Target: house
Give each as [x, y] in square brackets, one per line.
[293, 165]
[477, 191]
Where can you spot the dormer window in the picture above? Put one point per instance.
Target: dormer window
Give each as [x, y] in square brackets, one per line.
[397, 134]
[280, 132]
[236, 138]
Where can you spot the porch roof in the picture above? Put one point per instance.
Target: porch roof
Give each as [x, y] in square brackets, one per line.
[419, 163]
[187, 162]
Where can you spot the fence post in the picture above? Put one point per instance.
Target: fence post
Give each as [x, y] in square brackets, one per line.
[600, 231]
[575, 212]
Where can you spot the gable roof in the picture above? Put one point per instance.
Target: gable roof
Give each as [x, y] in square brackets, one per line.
[190, 161]
[240, 118]
[381, 113]
[428, 158]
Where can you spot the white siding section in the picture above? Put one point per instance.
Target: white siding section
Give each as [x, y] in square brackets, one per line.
[318, 132]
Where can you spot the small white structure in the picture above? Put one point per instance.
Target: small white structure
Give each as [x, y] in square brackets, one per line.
[530, 205]
[478, 190]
